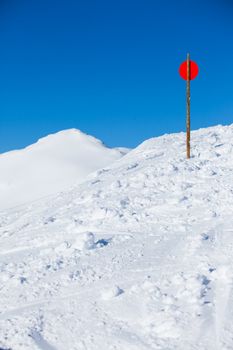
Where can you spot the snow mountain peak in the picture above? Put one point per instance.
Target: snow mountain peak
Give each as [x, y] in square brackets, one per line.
[52, 164]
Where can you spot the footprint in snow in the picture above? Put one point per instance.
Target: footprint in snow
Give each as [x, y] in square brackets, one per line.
[83, 241]
[102, 242]
[49, 220]
[112, 293]
[132, 166]
[205, 236]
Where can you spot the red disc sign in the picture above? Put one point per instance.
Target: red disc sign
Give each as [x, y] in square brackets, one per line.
[193, 70]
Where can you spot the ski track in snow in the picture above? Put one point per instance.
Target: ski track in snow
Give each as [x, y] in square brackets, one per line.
[138, 257]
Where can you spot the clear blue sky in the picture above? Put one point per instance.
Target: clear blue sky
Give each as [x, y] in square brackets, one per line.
[110, 68]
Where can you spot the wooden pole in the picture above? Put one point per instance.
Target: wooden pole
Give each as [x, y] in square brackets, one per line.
[188, 108]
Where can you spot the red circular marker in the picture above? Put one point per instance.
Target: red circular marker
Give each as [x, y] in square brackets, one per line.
[193, 70]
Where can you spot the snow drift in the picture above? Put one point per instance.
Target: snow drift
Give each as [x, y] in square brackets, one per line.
[52, 164]
[138, 257]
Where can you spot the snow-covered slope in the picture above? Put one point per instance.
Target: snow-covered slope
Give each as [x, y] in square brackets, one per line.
[52, 164]
[138, 257]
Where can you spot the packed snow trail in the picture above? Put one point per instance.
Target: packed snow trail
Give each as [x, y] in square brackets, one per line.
[140, 256]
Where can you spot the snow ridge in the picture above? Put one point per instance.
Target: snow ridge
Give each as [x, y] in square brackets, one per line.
[140, 256]
[52, 164]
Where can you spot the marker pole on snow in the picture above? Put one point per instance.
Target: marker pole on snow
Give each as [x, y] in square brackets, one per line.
[188, 71]
[188, 108]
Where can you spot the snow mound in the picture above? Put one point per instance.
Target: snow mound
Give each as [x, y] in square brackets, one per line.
[51, 165]
[138, 257]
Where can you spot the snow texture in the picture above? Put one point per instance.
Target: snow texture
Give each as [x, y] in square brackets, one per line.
[138, 257]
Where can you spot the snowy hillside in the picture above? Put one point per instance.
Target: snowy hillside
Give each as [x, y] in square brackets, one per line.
[138, 257]
[52, 164]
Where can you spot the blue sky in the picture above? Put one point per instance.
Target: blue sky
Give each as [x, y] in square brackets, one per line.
[110, 68]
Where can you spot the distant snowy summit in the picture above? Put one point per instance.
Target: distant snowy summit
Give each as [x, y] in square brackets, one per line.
[52, 164]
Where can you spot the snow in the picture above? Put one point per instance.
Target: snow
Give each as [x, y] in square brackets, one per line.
[52, 164]
[139, 256]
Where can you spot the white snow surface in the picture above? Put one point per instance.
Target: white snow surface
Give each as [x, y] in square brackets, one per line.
[138, 257]
[52, 164]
